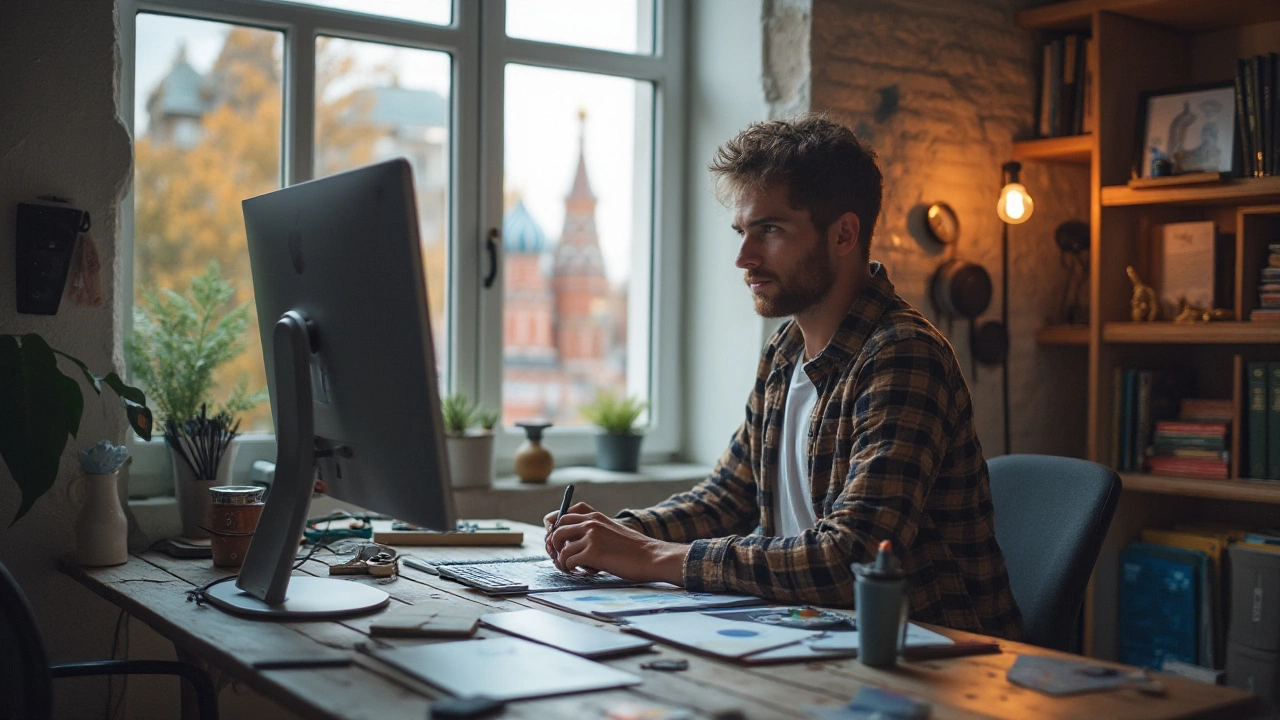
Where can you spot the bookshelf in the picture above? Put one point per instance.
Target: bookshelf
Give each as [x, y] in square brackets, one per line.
[1071, 149]
[1140, 46]
[1253, 491]
[1063, 335]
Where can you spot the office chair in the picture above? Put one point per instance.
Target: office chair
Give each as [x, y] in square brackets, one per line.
[1052, 514]
[26, 677]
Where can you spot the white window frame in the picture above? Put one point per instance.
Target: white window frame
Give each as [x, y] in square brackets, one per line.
[477, 40]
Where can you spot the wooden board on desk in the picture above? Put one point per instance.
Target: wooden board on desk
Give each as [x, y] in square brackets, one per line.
[488, 532]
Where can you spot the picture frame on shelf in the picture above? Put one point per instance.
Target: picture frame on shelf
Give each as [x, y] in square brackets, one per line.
[1190, 129]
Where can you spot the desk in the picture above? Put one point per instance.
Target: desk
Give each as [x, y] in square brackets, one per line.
[152, 586]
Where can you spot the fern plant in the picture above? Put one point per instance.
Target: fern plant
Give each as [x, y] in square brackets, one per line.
[614, 414]
[179, 341]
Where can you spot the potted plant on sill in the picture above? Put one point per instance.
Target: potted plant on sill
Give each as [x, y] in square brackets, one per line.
[178, 343]
[43, 406]
[468, 441]
[618, 446]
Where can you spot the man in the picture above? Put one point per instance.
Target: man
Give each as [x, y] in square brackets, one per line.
[859, 428]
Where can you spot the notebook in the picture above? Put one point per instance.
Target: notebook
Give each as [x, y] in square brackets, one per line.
[505, 669]
[568, 635]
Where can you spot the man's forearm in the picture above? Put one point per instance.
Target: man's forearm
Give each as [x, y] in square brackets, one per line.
[668, 562]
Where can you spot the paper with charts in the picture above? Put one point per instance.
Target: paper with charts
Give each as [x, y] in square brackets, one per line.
[726, 638]
[622, 602]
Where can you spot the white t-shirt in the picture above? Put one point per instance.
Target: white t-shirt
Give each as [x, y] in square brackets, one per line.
[792, 505]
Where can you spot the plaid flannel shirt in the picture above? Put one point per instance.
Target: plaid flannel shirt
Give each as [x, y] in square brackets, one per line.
[893, 455]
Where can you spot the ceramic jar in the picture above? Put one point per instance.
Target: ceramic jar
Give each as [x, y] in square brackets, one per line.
[533, 463]
[192, 493]
[102, 530]
[470, 458]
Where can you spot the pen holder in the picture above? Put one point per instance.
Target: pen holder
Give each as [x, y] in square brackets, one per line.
[882, 619]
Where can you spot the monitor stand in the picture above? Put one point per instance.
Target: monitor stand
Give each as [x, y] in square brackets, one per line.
[265, 586]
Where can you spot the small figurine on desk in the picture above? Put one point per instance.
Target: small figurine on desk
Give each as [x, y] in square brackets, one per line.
[1143, 306]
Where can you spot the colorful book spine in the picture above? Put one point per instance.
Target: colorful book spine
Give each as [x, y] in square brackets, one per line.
[1257, 387]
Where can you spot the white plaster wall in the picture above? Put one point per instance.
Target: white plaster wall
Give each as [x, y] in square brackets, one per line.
[60, 134]
[723, 335]
[940, 90]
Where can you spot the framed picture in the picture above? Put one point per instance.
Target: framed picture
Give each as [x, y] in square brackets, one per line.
[1186, 130]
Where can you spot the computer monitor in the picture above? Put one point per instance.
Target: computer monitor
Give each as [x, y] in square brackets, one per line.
[342, 308]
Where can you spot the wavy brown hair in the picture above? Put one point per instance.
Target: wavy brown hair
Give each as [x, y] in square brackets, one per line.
[823, 165]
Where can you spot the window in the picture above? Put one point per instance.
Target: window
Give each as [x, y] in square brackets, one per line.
[549, 130]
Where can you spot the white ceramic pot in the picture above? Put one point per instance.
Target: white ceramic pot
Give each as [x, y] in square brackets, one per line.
[470, 458]
[102, 530]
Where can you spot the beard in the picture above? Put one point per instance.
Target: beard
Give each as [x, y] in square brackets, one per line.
[806, 286]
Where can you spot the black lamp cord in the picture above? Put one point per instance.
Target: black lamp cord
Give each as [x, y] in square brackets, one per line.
[197, 594]
[1006, 176]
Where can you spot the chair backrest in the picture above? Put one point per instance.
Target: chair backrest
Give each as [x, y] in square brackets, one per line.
[1052, 514]
[26, 687]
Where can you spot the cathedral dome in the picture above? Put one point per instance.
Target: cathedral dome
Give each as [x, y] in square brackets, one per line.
[521, 233]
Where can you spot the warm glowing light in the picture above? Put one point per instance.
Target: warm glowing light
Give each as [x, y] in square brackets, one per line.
[1015, 205]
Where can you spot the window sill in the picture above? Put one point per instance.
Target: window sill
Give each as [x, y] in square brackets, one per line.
[507, 498]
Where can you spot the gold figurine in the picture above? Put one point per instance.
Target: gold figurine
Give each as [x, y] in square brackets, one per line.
[1191, 314]
[1143, 307]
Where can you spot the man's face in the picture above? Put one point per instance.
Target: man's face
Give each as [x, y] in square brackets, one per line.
[786, 263]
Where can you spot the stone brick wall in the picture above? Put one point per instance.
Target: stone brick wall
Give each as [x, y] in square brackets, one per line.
[940, 89]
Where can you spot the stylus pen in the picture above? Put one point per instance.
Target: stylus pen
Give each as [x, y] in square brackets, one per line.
[564, 505]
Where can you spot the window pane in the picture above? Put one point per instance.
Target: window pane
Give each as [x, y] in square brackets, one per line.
[577, 238]
[434, 12]
[618, 25]
[207, 127]
[376, 102]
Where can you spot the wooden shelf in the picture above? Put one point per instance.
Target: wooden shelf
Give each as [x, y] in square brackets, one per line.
[1190, 15]
[1258, 491]
[1239, 191]
[1074, 149]
[1216, 333]
[1063, 335]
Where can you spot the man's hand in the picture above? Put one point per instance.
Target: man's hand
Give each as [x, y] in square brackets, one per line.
[588, 541]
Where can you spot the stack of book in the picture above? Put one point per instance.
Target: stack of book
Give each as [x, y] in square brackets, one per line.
[1065, 107]
[1173, 598]
[1257, 114]
[1269, 289]
[1143, 398]
[1190, 449]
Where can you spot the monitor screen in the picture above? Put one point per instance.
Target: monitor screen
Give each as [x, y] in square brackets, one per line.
[342, 306]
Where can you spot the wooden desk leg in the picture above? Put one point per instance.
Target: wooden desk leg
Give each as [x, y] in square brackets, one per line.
[190, 709]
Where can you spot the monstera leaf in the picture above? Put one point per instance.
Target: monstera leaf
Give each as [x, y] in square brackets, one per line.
[40, 407]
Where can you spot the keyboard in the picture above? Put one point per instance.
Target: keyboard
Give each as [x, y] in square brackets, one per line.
[513, 578]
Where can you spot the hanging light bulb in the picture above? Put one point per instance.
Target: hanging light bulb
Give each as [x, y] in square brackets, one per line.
[1015, 204]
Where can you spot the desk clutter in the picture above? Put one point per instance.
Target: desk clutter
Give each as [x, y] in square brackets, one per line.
[1201, 602]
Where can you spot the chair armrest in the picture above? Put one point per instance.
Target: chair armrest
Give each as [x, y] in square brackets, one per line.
[206, 695]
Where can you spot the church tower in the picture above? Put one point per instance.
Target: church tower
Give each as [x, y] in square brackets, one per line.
[579, 283]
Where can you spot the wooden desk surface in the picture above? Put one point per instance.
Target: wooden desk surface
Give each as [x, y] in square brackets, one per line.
[151, 587]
